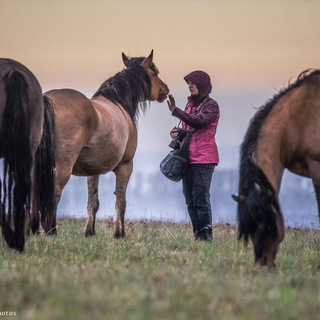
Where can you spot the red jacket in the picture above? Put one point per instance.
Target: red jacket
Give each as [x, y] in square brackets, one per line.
[203, 148]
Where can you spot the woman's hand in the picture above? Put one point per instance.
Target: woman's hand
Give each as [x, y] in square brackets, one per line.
[171, 103]
[174, 132]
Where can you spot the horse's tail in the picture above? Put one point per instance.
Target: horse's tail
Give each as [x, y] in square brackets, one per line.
[45, 171]
[17, 160]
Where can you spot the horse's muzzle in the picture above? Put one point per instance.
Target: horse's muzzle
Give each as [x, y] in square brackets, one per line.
[163, 95]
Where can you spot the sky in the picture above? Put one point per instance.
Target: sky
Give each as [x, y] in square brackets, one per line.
[250, 48]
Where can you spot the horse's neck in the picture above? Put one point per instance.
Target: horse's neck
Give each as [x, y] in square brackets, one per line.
[269, 155]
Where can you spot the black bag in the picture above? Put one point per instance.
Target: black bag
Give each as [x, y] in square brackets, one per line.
[175, 164]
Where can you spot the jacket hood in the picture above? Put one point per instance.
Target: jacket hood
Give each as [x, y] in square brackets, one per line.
[203, 82]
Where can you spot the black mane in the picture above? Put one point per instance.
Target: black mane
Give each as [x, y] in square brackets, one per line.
[129, 88]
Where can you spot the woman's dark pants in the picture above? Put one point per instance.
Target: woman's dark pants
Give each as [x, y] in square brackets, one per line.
[196, 189]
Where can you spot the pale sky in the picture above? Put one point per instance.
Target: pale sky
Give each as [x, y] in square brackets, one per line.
[79, 43]
[251, 48]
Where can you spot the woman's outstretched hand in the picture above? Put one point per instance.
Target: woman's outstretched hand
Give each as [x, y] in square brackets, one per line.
[171, 103]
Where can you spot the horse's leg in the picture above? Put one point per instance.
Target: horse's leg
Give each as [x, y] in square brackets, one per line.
[34, 221]
[316, 185]
[34, 224]
[314, 172]
[93, 204]
[123, 173]
[63, 174]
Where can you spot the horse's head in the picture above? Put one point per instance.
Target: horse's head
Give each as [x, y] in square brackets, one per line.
[260, 219]
[159, 90]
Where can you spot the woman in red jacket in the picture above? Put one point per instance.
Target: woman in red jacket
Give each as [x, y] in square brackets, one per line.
[202, 114]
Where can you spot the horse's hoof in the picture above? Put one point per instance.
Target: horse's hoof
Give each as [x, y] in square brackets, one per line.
[119, 235]
[89, 233]
[52, 232]
[35, 232]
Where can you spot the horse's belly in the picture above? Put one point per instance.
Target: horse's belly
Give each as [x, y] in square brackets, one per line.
[84, 169]
[299, 169]
[97, 161]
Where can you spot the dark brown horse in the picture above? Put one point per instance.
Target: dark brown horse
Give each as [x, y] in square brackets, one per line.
[98, 135]
[285, 133]
[26, 151]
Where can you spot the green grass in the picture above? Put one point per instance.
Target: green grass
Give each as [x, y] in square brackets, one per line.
[158, 272]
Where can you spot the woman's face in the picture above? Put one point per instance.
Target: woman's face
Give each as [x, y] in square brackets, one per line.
[193, 88]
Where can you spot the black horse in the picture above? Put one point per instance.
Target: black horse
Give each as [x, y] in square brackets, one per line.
[26, 152]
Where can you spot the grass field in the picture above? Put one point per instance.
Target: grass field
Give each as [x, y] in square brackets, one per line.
[157, 272]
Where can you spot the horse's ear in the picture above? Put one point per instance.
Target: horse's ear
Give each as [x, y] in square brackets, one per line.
[125, 59]
[239, 198]
[148, 61]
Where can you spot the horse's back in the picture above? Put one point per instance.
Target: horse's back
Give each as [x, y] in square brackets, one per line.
[73, 110]
[69, 99]
[8, 66]
[75, 120]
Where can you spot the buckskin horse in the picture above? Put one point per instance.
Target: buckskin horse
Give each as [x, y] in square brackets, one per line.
[284, 133]
[26, 151]
[99, 135]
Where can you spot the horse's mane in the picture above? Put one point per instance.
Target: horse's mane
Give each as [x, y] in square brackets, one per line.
[248, 146]
[129, 88]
